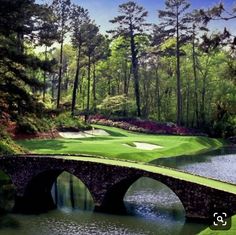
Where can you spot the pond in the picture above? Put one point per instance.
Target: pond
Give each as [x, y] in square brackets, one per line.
[152, 207]
[218, 164]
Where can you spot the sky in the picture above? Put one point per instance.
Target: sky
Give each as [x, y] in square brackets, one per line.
[104, 10]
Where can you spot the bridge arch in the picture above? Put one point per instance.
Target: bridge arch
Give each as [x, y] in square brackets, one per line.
[113, 201]
[148, 197]
[70, 192]
[37, 196]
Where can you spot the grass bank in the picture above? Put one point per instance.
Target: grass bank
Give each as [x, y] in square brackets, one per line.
[119, 145]
[231, 231]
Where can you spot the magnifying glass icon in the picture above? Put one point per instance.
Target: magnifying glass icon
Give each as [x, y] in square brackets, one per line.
[220, 219]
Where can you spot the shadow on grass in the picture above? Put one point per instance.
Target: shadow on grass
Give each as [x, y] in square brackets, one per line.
[208, 141]
[116, 134]
[44, 144]
[94, 138]
[112, 133]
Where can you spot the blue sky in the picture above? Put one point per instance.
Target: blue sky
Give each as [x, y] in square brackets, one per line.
[104, 10]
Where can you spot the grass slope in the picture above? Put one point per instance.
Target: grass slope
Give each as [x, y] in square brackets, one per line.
[231, 231]
[113, 145]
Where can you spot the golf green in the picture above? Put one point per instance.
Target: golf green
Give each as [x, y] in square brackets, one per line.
[120, 145]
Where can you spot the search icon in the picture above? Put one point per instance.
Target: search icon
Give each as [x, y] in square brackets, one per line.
[220, 221]
[219, 218]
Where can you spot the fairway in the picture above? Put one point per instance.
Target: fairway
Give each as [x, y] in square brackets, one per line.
[120, 144]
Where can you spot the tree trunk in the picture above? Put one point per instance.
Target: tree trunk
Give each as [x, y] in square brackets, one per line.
[60, 75]
[94, 87]
[203, 101]
[178, 81]
[158, 95]
[20, 42]
[53, 85]
[44, 76]
[195, 78]
[76, 83]
[187, 102]
[135, 72]
[88, 89]
[125, 79]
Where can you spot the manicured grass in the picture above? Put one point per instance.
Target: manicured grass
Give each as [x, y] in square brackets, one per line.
[113, 145]
[231, 231]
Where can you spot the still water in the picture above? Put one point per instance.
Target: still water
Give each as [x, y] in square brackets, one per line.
[153, 208]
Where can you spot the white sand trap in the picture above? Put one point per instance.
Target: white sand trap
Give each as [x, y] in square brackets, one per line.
[83, 134]
[145, 146]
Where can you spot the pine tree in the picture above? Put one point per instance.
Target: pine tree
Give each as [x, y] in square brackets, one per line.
[79, 17]
[48, 34]
[216, 13]
[90, 33]
[19, 23]
[132, 23]
[175, 24]
[61, 9]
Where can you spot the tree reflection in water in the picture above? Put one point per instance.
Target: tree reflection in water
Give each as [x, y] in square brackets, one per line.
[70, 193]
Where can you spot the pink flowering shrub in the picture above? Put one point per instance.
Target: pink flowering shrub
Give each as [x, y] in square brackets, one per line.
[144, 126]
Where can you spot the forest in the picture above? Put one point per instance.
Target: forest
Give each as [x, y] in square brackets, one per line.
[57, 68]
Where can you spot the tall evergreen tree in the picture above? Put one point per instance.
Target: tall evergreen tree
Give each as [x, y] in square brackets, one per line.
[131, 23]
[79, 17]
[92, 38]
[217, 13]
[174, 24]
[61, 9]
[15, 27]
[100, 52]
[48, 34]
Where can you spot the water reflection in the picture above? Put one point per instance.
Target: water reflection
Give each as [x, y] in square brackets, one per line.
[70, 193]
[151, 199]
[219, 164]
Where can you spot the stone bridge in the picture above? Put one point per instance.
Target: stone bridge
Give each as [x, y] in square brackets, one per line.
[108, 180]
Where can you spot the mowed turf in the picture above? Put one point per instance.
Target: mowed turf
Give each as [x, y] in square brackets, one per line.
[115, 145]
[231, 231]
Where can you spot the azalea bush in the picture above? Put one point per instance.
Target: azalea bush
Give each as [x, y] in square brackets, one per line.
[144, 126]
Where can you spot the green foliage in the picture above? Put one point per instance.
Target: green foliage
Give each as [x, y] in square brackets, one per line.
[17, 63]
[114, 105]
[65, 121]
[32, 124]
[7, 145]
[225, 127]
[110, 69]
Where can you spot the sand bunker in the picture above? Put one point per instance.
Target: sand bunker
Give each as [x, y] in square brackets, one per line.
[144, 146]
[83, 134]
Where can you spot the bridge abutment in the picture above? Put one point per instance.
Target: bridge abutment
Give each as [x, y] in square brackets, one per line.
[34, 204]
